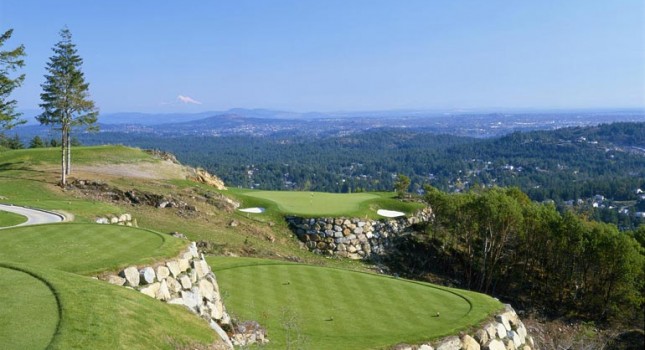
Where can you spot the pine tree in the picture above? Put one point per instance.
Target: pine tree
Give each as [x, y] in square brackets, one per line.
[65, 98]
[10, 61]
[36, 142]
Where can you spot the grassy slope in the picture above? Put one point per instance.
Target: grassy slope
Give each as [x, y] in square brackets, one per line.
[96, 315]
[335, 308]
[29, 311]
[10, 219]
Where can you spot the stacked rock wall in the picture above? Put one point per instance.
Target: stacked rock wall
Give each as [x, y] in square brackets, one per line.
[352, 238]
[506, 332]
[187, 280]
[123, 219]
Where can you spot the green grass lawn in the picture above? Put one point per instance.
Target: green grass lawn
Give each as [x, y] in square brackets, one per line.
[321, 204]
[338, 309]
[85, 248]
[93, 314]
[29, 315]
[11, 219]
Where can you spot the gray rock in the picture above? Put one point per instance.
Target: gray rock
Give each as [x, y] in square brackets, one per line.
[163, 293]
[521, 331]
[501, 330]
[193, 250]
[450, 343]
[173, 267]
[495, 344]
[131, 275]
[469, 343]
[220, 332]
[201, 268]
[176, 301]
[162, 272]
[481, 336]
[491, 330]
[504, 321]
[509, 344]
[173, 285]
[426, 347]
[206, 289]
[515, 338]
[116, 280]
[151, 290]
[185, 282]
[147, 275]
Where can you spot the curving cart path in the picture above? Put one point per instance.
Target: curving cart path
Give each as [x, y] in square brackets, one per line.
[34, 216]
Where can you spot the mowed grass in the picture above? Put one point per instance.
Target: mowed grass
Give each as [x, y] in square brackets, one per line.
[11, 219]
[85, 248]
[321, 204]
[90, 314]
[29, 311]
[325, 308]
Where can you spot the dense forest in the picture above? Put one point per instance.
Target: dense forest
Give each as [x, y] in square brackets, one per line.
[500, 242]
[565, 165]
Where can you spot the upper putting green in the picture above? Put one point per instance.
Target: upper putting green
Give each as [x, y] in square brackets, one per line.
[8, 219]
[322, 203]
[85, 248]
[340, 309]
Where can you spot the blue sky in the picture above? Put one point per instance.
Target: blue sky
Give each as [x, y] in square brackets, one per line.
[171, 56]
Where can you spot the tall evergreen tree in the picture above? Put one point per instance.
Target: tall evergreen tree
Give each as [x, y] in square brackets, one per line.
[65, 98]
[10, 61]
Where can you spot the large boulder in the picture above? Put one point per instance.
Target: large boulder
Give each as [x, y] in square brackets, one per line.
[147, 275]
[116, 280]
[206, 289]
[131, 275]
[151, 290]
[469, 343]
[495, 344]
[201, 268]
[173, 267]
[504, 321]
[173, 285]
[163, 293]
[162, 272]
[185, 282]
[450, 343]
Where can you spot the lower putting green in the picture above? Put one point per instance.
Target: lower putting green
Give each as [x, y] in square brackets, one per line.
[85, 248]
[29, 311]
[324, 308]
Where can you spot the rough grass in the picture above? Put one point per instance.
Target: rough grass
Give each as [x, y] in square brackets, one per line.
[94, 315]
[326, 308]
[29, 315]
[309, 204]
[85, 248]
[11, 219]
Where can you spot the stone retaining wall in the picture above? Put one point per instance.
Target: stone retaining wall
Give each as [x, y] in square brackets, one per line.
[189, 281]
[506, 332]
[352, 238]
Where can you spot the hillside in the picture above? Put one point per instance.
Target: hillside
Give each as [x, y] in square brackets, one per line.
[47, 265]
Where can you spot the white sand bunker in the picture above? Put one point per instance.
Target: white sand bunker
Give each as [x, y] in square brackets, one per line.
[255, 210]
[389, 213]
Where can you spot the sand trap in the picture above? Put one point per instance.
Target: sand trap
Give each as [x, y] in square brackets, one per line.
[389, 213]
[255, 210]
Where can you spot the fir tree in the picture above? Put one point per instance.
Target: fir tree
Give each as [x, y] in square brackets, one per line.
[65, 98]
[36, 142]
[10, 61]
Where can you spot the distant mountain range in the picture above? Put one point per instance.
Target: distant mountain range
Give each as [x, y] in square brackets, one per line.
[264, 122]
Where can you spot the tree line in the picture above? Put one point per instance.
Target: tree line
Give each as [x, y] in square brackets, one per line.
[498, 241]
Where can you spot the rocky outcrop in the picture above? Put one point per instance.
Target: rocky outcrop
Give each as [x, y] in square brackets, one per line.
[119, 219]
[353, 238]
[203, 176]
[506, 332]
[189, 281]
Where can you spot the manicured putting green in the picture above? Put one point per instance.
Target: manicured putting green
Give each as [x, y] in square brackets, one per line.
[11, 219]
[28, 311]
[341, 309]
[84, 248]
[314, 203]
